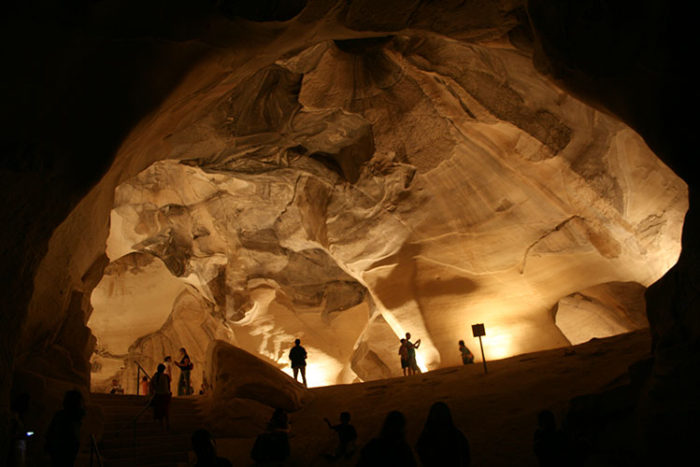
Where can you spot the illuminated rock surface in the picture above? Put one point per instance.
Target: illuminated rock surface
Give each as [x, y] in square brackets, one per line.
[363, 188]
[96, 93]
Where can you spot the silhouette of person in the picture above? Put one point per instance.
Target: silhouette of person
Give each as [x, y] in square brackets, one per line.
[403, 353]
[272, 446]
[467, 355]
[347, 435]
[160, 388]
[145, 386]
[549, 443]
[168, 362]
[185, 364]
[17, 454]
[116, 387]
[411, 348]
[63, 434]
[204, 448]
[390, 448]
[298, 358]
[441, 443]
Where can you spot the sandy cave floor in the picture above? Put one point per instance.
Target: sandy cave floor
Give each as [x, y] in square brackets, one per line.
[497, 412]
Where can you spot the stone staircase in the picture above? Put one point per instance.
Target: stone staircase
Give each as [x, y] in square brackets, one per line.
[144, 443]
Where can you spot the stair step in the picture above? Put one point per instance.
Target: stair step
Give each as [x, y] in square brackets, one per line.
[150, 459]
[151, 438]
[143, 451]
[149, 432]
[143, 443]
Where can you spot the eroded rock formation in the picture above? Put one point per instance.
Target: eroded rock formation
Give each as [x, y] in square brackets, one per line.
[132, 84]
[366, 187]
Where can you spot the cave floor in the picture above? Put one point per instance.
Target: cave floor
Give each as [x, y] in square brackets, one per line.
[497, 412]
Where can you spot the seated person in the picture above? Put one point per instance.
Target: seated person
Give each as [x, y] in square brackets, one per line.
[467, 355]
[116, 388]
[204, 448]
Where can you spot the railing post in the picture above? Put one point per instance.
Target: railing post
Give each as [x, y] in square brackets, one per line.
[138, 378]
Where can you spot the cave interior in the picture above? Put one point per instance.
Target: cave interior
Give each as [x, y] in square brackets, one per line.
[229, 176]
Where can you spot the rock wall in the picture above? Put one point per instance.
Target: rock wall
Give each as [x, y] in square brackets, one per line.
[126, 76]
[443, 183]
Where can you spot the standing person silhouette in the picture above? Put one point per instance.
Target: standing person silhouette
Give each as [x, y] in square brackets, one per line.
[271, 448]
[441, 444]
[403, 353]
[185, 365]
[17, 455]
[298, 358]
[168, 362]
[390, 448]
[347, 435]
[63, 434]
[411, 350]
[549, 443]
[160, 388]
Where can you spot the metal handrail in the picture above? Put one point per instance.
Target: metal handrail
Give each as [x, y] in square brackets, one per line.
[95, 451]
[142, 369]
[138, 376]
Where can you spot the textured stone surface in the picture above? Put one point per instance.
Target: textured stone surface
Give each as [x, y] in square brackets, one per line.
[432, 182]
[601, 311]
[133, 83]
[237, 374]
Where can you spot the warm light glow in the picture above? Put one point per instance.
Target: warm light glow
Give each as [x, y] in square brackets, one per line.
[421, 362]
[498, 343]
[322, 371]
[400, 333]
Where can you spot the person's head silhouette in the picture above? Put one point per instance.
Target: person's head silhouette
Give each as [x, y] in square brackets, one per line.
[203, 445]
[439, 417]
[73, 403]
[394, 427]
[279, 420]
[546, 420]
[297, 341]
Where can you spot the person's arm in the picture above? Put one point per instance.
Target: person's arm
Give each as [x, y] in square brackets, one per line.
[417, 344]
[328, 422]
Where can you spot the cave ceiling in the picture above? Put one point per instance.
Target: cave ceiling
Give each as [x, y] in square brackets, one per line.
[349, 189]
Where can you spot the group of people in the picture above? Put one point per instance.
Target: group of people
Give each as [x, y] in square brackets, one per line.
[440, 443]
[407, 352]
[159, 386]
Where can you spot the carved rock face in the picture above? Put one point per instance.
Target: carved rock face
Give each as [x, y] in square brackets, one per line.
[364, 188]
